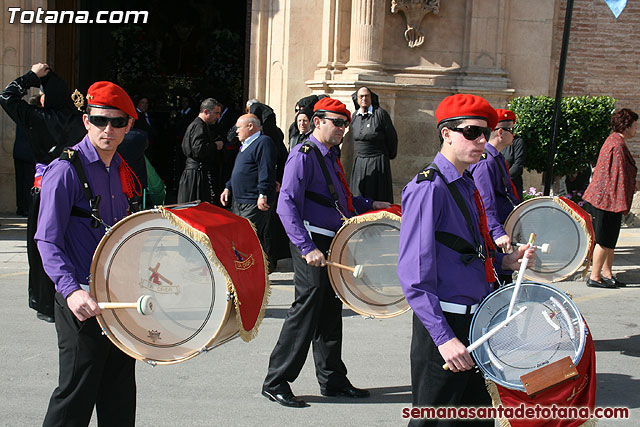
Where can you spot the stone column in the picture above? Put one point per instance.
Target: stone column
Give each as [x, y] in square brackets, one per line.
[367, 31]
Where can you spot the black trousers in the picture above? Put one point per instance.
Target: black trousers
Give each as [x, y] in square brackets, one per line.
[92, 372]
[41, 288]
[432, 386]
[315, 317]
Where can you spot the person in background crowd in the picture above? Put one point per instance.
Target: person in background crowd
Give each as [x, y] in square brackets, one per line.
[253, 180]
[50, 128]
[609, 196]
[376, 144]
[199, 147]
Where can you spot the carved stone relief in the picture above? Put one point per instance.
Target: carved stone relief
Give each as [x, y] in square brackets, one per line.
[414, 11]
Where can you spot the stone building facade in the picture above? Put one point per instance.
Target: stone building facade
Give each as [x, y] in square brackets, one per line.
[413, 53]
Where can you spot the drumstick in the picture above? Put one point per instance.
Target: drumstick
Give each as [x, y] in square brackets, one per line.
[477, 343]
[523, 267]
[356, 270]
[544, 248]
[144, 305]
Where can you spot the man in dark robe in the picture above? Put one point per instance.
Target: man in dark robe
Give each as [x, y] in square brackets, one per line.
[376, 143]
[51, 128]
[198, 145]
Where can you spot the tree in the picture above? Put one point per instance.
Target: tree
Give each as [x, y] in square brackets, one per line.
[585, 123]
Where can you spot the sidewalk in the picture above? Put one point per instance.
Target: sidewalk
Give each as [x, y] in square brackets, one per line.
[223, 386]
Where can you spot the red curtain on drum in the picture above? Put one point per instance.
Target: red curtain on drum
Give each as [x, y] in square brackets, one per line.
[235, 243]
[578, 393]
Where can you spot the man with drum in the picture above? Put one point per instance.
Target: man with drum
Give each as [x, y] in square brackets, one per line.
[445, 258]
[314, 200]
[492, 178]
[93, 372]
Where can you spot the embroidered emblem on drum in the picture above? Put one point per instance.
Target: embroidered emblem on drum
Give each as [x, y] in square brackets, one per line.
[155, 282]
[243, 261]
[154, 335]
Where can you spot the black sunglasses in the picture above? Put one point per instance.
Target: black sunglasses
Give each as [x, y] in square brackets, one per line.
[338, 122]
[510, 130]
[472, 132]
[116, 122]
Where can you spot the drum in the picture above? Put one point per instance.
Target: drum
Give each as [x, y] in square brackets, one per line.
[204, 270]
[370, 241]
[561, 224]
[549, 329]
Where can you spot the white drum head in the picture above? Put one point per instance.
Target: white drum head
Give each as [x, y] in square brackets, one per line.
[146, 255]
[370, 241]
[550, 329]
[556, 225]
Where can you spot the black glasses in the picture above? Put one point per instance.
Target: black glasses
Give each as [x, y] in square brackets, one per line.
[116, 122]
[338, 122]
[472, 132]
[510, 130]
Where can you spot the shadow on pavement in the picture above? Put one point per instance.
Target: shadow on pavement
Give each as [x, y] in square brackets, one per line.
[393, 394]
[618, 390]
[628, 346]
[281, 312]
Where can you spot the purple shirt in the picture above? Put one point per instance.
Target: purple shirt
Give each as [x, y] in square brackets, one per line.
[429, 271]
[67, 243]
[302, 173]
[490, 175]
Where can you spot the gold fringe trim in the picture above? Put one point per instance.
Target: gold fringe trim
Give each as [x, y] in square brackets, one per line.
[496, 401]
[504, 422]
[203, 239]
[565, 207]
[359, 219]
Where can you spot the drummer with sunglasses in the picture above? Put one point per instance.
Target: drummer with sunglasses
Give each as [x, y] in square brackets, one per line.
[312, 211]
[93, 372]
[492, 178]
[443, 281]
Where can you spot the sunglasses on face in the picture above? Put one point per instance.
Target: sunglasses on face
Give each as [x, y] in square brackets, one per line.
[510, 130]
[472, 132]
[338, 122]
[116, 122]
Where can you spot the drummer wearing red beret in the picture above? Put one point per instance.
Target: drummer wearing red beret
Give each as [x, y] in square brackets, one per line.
[491, 175]
[71, 222]
[314, 200]
[446, 258]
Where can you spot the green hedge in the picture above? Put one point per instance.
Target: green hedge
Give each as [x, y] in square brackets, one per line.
[585, 122]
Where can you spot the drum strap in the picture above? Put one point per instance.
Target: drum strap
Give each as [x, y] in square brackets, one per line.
[467, 251]
[94, 202]
[327, 177]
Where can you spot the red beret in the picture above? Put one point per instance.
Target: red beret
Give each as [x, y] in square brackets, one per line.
[110, 95]
[333, 106]
[505, 115]
[465, 106]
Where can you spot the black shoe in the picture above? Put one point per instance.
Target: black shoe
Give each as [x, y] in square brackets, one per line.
[613, 281]
[45, 317]
[347, 391]
[285, 399]
[595, 284]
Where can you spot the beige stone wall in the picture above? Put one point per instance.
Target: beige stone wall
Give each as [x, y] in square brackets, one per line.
[21, 45]
[494, 48]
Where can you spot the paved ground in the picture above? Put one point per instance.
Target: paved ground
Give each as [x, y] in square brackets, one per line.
[223, 386]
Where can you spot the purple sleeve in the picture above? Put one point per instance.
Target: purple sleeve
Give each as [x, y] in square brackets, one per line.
[417, 262]
[59, 191]
[291, 203]
[362, 205]
[484, 176]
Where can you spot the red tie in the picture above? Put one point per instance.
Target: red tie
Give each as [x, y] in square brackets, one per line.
[340, 171]
[513, 186]
[488, 242]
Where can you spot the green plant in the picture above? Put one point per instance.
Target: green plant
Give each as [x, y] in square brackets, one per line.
[583, 127]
